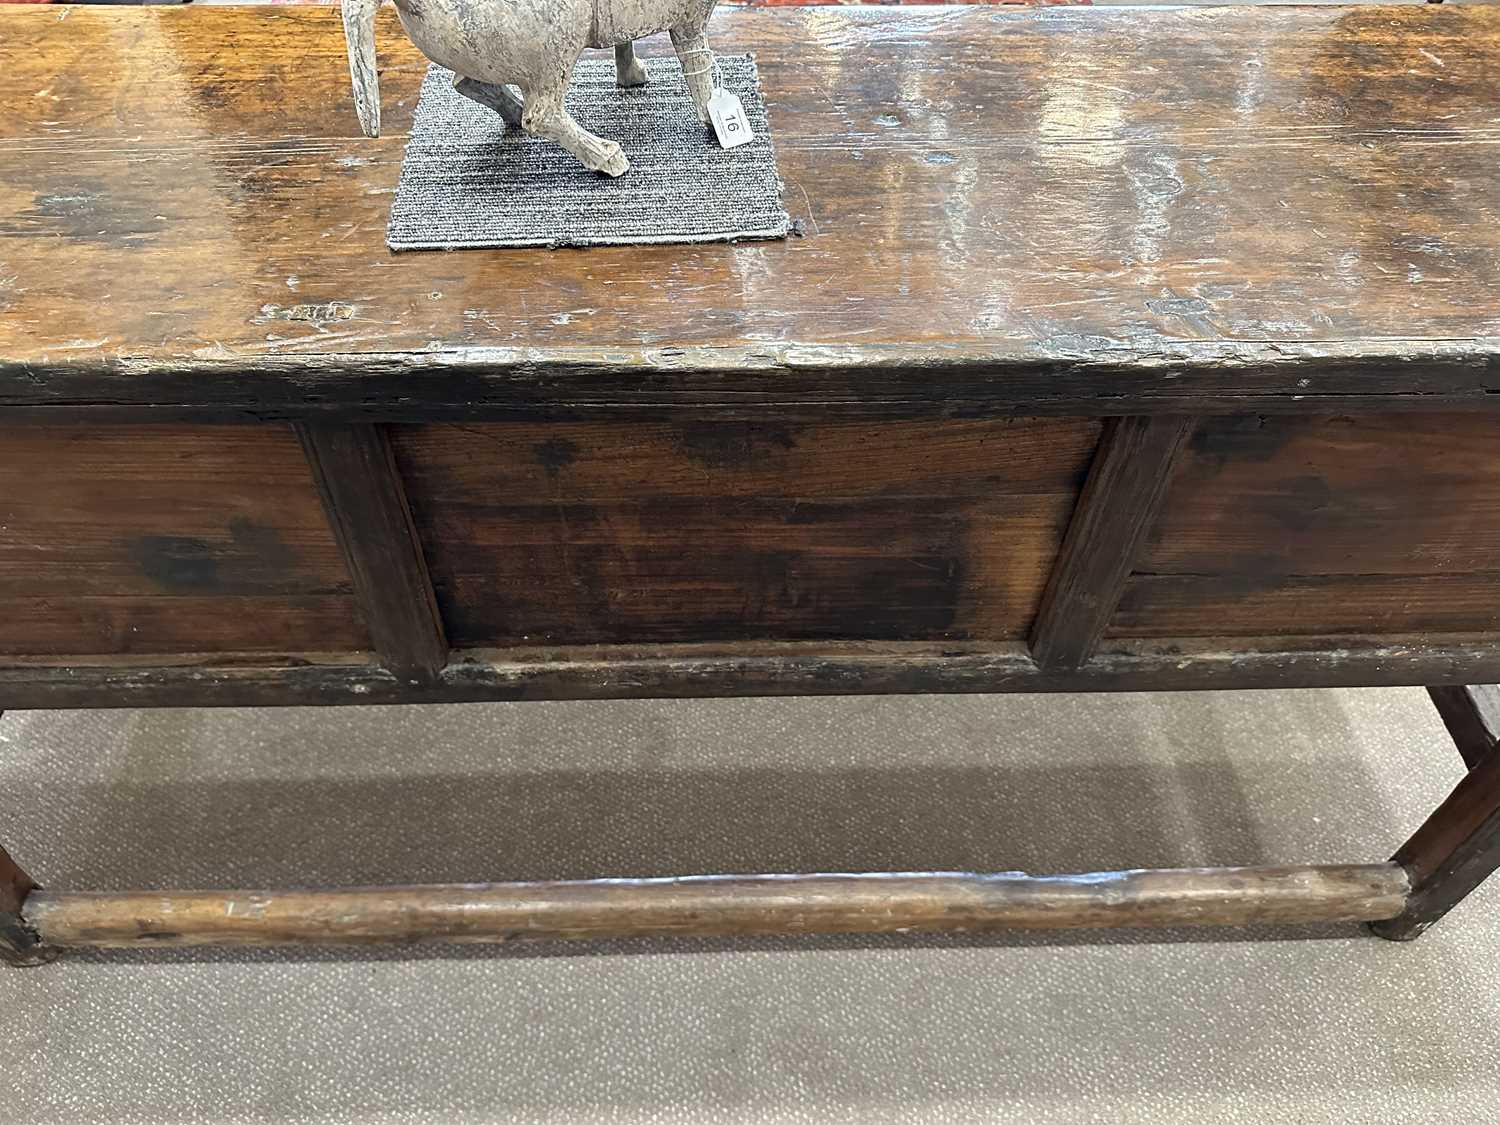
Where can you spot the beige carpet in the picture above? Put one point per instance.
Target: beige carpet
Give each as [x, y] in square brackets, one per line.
[1171, 1027]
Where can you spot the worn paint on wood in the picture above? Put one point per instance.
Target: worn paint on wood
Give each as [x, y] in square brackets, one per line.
[19, 944]
[1264, 201]
[748, 669]
[724, 906]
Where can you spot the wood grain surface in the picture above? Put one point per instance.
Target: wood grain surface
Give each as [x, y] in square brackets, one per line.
[366, 506]
[1455, 849]
[1471, 712]
[159, 539]
[1046, 207]
[15, 885]
[606, 532]
[749, 669]
[19, 944]
[723, 906]
[1325, 525]
[1117, 508]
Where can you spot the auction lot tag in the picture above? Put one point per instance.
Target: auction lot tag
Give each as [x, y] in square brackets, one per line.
[729, 120]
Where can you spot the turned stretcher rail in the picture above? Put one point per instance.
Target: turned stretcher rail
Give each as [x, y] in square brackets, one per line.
[722, 906]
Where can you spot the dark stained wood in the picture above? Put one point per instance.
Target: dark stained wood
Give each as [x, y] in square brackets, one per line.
[723, 906]
[704, 397]
[1454, 850]
[841, 463]
[1325, 525]
[366, 505]
[752, 669]
[618, 533]
[161, 539]
[19, 943]
[15, 884]
[1309, 606]
[1119, 504]
[88, 627]
[1270, 208]
[1472, 715]
[1324, 494]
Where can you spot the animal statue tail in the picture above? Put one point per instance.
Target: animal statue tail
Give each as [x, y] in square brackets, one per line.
[359, 34]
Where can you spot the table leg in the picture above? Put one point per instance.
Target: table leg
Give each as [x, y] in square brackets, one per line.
[1458, 846]
[1472, 716]
[19, 944]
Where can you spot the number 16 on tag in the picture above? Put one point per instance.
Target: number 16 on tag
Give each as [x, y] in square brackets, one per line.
[728, 116]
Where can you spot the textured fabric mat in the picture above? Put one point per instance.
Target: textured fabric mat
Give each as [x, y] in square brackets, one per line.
[468, 181]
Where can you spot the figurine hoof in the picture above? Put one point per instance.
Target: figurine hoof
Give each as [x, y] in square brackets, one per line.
[615, 164]
[635, 76]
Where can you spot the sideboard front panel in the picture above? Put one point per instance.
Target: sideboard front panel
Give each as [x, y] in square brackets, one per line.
[120, 539]
[1325, 526]
[622, 533]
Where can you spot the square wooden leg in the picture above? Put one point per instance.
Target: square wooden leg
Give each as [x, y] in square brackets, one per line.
[1458, 846]
[19, 944]
[1472, 716]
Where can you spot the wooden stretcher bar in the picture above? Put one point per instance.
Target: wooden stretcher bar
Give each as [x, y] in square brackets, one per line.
[723, 906]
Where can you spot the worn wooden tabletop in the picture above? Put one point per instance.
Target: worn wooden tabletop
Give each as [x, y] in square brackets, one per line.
[1222, 203]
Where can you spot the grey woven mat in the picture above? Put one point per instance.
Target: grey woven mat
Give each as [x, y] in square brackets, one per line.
[468, 181]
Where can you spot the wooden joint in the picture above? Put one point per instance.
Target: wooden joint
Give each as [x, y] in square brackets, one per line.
[1454, 851]
[1126, 485]
[1472, 716]
[365, 500]
[20, 945]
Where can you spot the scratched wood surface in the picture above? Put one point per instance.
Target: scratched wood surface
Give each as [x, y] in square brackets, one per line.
[154, 539]
[722, 906]
[1010, 205]
[601, 532]
[1317, 526]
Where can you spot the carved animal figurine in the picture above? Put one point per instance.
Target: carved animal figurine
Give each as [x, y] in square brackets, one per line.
[534, 44]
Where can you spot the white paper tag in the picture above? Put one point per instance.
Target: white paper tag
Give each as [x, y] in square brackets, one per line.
[729, 120]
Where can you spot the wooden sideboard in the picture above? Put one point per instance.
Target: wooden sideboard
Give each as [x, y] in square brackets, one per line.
[1118, 350]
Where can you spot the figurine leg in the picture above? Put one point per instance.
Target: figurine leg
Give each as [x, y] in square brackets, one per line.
[697, 65]
[545, 116]
[629, 70]
[492, 96]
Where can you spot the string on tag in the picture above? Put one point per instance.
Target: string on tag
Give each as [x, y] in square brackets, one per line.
[712, 67]
[725, 112]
